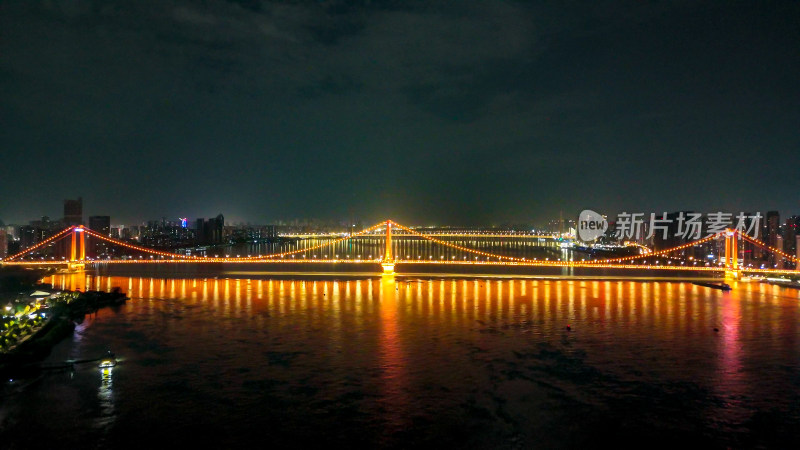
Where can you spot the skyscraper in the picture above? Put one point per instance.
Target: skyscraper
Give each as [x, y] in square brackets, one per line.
[771, 233]
[73, 212]
[790, 232]
[27, 236]
[211, 231]
[3, 243]
[214, 230]
[199, 231]
[100, 225]
[797, 251]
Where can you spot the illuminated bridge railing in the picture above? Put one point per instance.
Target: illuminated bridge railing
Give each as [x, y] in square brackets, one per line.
[448, 235]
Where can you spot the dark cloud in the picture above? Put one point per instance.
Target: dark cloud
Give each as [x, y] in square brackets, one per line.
[428, 111]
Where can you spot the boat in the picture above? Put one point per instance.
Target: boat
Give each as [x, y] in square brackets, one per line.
[107, 363]
[720, 286]
[608, 251]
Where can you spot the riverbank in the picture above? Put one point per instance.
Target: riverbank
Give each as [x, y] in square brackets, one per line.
[14, 278]
[29, 331]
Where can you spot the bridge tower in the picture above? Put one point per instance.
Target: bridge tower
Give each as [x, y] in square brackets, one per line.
[731, 254]
[78, 245]
[77, 252]
[388, 258]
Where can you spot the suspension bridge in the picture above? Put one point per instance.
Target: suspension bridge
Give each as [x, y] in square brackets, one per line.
[390, 260]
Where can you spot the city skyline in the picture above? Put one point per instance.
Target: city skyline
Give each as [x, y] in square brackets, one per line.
[310, 220]
[492, 111]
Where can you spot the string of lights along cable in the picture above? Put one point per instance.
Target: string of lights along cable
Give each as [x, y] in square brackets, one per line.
[650, 260]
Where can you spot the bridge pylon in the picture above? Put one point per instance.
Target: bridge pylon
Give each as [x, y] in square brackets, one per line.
[732, 269]
[78, 244]
[388, 259]
[75, 267]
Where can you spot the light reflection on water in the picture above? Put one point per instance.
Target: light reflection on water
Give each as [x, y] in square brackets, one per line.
[105, 397]
[396, 361]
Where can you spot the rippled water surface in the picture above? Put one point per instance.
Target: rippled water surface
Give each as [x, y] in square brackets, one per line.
[395, 362]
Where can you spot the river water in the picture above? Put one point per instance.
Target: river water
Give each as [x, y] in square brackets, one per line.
[401, 361]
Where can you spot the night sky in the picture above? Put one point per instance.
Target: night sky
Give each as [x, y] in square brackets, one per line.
[427, 112]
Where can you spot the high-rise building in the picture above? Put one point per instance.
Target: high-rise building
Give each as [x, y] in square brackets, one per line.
[269, 232]
[215, 229]
[797, 250]
[749, 253]
[73, 212]
[211, 231]
[42, 229]
[27, 236]
[100, 225]
[199, 231]
[3, 243]
[771, 232]
[790, 232]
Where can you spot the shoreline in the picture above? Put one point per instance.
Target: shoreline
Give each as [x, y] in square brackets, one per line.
[62, 312]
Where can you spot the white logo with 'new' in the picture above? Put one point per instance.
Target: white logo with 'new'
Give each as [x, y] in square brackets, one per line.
[591, 225]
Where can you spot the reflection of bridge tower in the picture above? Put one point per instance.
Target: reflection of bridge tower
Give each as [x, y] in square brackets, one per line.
[77, 234]
[388, 259]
